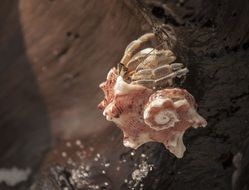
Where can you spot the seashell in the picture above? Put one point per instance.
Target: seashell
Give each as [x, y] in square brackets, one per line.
[145, 115]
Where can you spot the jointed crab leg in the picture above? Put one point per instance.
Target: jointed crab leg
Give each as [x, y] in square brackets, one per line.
[150, 67]
[149, 83]
[152, 79]
[138, 58]
[157, 73]
[134, 46]
[143, 60]
[161, 57]
[168, 78]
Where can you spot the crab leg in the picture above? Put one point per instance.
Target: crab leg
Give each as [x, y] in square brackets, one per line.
[138, 58]
[142, 74]
[157, 73]
[134, 46]
[161, 57]
[160, 77]
[166, 70]
[168, 78]
[147, 83]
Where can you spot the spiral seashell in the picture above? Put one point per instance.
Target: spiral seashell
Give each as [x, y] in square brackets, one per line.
[167, 107]
[145, 115]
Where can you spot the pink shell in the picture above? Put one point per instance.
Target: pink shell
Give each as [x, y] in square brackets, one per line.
[144, 115]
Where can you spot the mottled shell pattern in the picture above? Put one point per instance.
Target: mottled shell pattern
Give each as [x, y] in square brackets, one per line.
[140, 99]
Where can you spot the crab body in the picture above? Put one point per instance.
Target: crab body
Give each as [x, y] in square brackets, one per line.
[150, 67]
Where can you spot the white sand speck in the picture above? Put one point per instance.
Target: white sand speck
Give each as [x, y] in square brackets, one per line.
[13, 176]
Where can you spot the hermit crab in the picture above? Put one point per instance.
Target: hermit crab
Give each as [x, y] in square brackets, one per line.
[150, 67]
[142, 100]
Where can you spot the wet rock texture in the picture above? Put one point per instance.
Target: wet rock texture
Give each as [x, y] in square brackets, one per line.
[55, 53]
